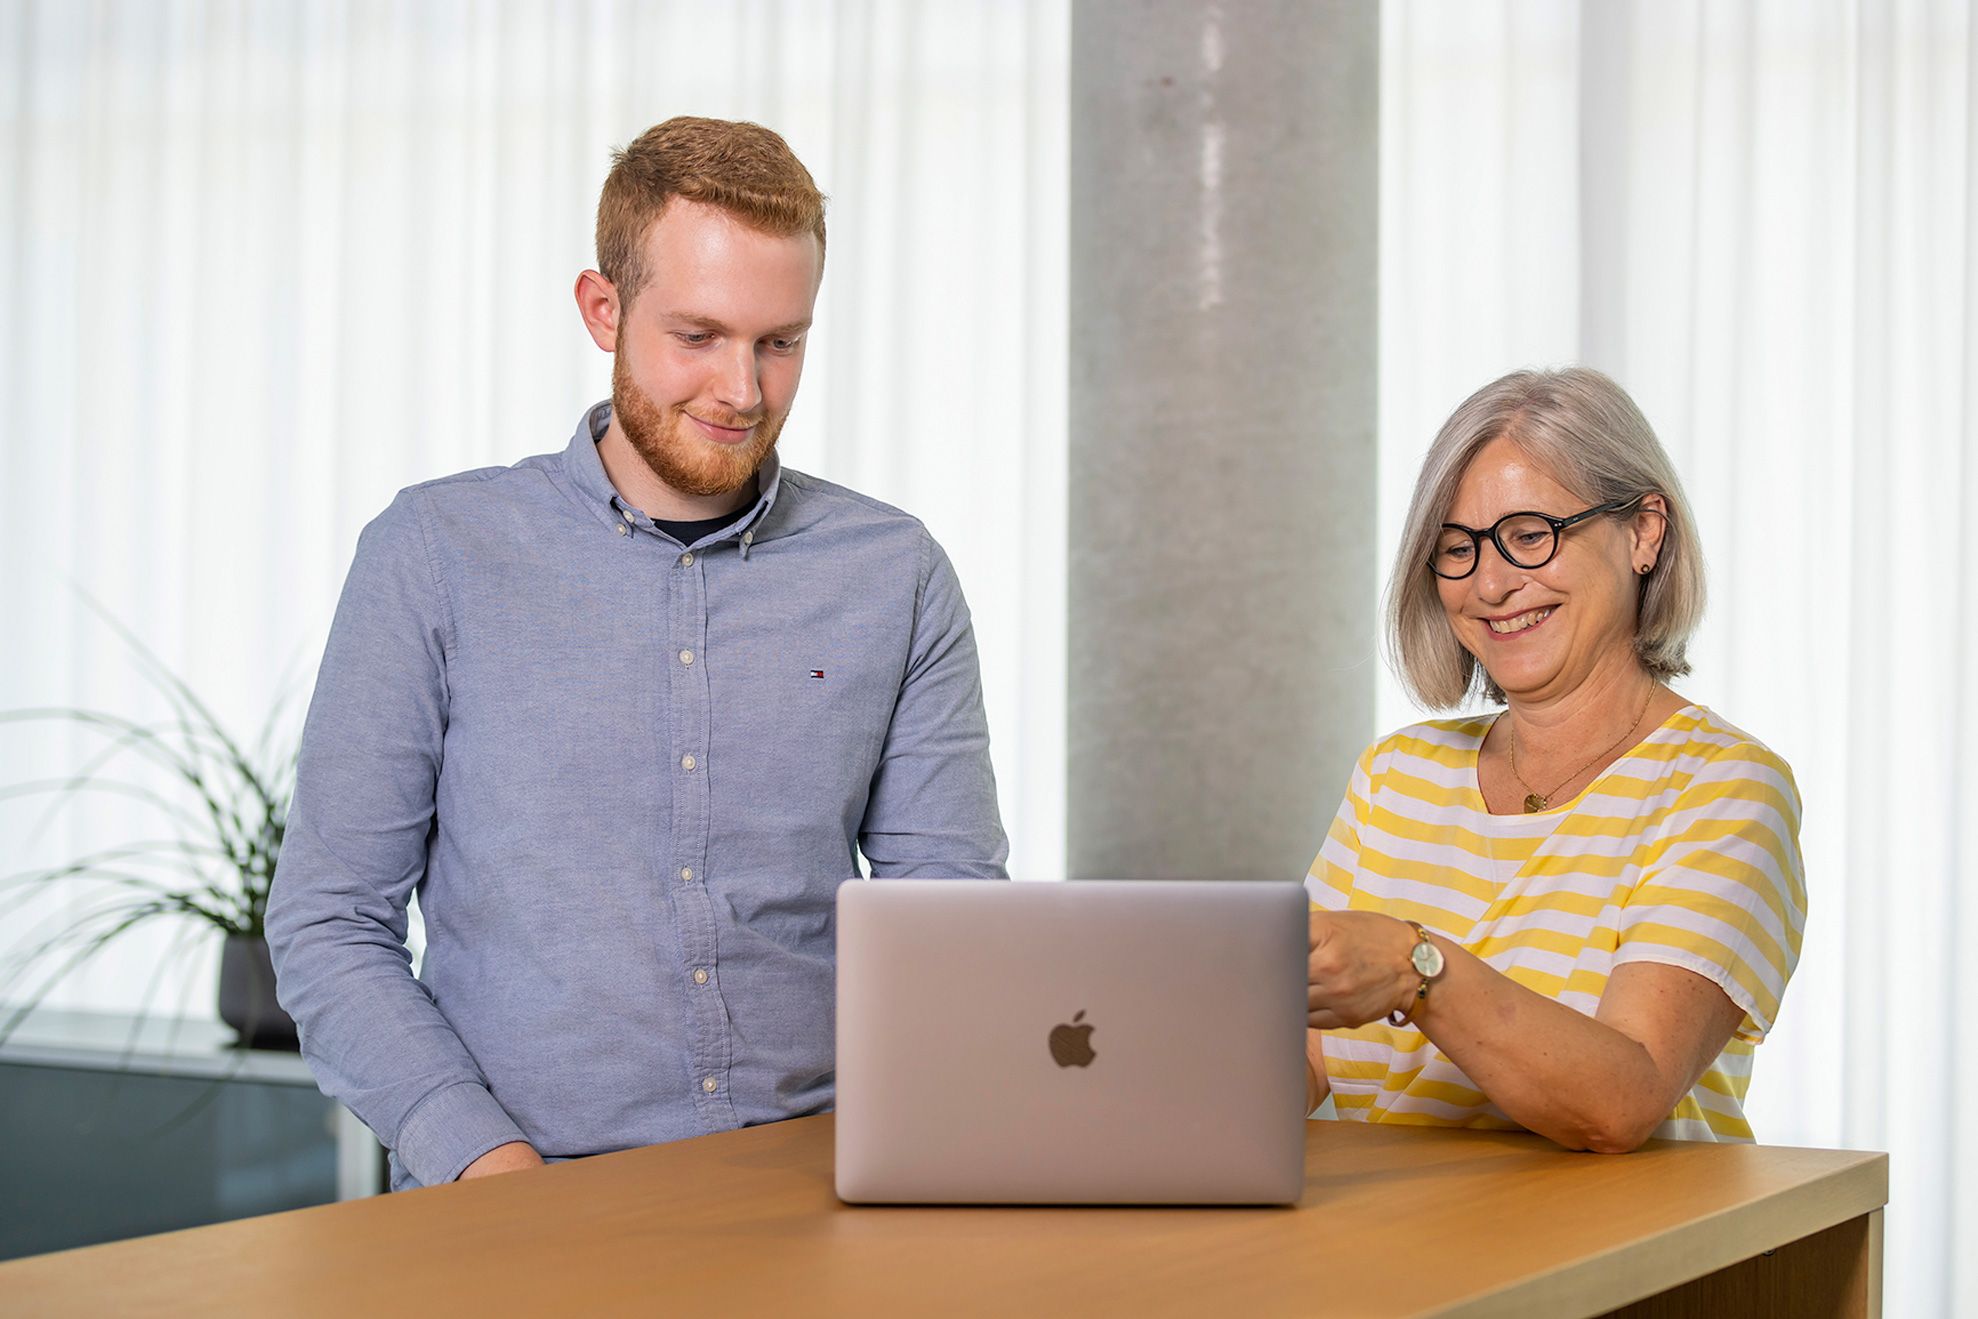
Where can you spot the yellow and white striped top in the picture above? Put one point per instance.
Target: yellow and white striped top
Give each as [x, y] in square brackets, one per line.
[1685, 852]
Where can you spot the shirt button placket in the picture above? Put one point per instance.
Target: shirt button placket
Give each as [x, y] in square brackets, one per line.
[692, 810]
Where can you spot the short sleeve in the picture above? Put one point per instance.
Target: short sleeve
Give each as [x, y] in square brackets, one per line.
[1330, 881]
[1722, 890]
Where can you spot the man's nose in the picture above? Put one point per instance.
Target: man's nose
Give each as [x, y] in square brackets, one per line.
[739, 385]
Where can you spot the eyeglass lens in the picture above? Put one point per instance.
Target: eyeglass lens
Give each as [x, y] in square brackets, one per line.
[1525, 540]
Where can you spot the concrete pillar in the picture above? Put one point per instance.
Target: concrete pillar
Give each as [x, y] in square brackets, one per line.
[1221, 597]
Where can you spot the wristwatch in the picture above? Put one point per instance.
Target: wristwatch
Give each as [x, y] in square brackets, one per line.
[1429, 964]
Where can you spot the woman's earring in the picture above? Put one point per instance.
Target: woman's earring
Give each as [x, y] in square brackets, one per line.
[1645, 569]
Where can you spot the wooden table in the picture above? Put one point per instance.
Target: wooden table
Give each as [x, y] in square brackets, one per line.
[1394, 1221]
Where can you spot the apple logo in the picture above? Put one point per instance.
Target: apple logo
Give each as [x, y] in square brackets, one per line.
[1071, 1044]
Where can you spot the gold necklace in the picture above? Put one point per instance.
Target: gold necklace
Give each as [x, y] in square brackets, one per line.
[1536, 801]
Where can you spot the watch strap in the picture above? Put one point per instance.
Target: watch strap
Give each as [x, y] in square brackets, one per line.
[1404, 1014]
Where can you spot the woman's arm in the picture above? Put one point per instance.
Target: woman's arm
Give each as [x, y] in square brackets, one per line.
[1595, 1083]
[1316, 1086]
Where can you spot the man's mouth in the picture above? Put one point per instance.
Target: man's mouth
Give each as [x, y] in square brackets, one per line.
[722, 434]
[1524, 622]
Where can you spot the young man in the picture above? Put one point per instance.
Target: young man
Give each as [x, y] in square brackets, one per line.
[623, 716]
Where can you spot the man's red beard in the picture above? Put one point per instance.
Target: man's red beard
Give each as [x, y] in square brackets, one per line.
[679, 455]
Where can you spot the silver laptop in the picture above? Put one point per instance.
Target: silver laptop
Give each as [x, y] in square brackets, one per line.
[1116, 1042]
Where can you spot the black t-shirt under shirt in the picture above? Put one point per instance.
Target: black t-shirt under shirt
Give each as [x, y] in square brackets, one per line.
[689, 532]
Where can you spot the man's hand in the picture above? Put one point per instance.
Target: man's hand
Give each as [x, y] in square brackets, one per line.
[512, 1157]
[1359, 969]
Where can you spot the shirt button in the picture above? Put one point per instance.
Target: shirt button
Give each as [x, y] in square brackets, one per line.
[687, 762]
[686, 657]
[687, 560]
[700, 975]
[748, 538]
[686, 874]
[621, 528]
[708, 1084]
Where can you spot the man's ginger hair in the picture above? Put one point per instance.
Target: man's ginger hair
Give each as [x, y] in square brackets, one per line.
[745, 169]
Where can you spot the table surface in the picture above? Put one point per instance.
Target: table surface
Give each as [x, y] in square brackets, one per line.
[1394, 1220]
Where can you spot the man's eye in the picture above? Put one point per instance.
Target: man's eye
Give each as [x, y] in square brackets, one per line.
[782, 345]
[694, 337]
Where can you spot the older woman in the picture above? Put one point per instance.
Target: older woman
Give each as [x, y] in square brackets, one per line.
[1575, 915]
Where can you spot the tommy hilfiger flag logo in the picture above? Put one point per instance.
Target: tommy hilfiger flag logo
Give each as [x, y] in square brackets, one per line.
[817, 674]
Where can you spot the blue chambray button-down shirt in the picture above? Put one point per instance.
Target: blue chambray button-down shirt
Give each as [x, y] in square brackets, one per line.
[625, 778]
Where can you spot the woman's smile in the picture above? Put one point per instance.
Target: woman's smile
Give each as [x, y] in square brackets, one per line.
[1512, 625]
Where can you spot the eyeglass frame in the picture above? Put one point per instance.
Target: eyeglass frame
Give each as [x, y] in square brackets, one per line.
[1479, 535]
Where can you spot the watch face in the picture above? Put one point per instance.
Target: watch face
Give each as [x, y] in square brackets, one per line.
[1427, 959]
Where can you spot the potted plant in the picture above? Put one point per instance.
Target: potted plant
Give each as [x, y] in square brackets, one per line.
[226, 807]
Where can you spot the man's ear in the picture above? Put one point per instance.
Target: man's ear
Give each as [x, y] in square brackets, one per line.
[597, 303]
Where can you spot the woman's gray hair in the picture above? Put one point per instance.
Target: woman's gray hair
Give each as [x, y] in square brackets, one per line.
[1584, 430]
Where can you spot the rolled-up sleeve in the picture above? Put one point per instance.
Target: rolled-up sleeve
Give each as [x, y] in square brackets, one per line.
[1723, 892]
[354, 852]
[932, 812]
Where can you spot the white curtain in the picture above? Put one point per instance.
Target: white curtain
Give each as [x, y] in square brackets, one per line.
[1759, 218]
[262, 264]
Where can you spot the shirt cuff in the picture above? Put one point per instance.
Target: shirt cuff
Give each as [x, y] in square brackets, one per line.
[449, 1129]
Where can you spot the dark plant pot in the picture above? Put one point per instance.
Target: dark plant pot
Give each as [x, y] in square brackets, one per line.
[247, 995]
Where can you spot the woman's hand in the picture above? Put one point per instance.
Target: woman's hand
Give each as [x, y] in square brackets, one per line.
[1359, 969]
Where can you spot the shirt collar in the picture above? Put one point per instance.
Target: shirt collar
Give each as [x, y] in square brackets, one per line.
[586, 472]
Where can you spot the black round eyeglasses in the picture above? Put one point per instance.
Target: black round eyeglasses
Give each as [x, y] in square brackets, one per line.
[1526, 540]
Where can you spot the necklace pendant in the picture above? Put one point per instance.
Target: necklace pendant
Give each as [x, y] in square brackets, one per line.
[1533, 803]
